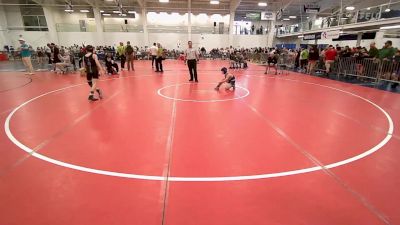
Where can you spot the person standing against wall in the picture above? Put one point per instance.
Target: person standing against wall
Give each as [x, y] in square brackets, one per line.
[153, 54]
[160, 57]
[129, 52]
[192, 57]
[26, 56]
[121, 53]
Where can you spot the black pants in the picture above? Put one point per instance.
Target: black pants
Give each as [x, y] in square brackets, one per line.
[192, 64]
[49, 56]
[153, 59]
[159, 64]
[122, 61]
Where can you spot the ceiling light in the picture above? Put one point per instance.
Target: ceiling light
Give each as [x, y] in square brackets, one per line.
[123, 14]
[390, 27]
[84, 10]
[344, 18]
[350, 8]
[341, 32]
[308, 17]
[369, 8]
[286, 19]
[300, 36]
[117, 12]
[131, 12]
[101, 11]
[109, 0]
[164, 1]
[69, 10]
[387, 10]
[106, 14]
[262, 4]
[214, 2]
[292, 17]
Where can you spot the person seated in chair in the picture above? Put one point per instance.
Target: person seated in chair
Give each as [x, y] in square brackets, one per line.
[111, 65]
[62, 67]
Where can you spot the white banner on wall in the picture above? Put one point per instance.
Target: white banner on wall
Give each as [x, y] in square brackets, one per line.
[267, 16]
[330, 34]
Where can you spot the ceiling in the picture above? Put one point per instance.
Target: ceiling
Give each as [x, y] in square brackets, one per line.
[291, 7]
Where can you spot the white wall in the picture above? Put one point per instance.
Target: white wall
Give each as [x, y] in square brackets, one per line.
[34, 38]
[209, 41]
[132, 21]
[176, 19]
[13, 15]
[62, 17]
[249, 41]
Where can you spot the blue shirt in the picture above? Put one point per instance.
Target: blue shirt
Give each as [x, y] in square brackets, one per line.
[25, 52]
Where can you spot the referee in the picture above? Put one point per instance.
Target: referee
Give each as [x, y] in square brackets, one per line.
[192, 56]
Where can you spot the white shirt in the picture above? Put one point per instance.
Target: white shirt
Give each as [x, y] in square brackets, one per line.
[191, 54]
[153, 50]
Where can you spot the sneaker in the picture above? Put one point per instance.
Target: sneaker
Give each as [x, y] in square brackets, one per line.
[92, 98]
[100, 93]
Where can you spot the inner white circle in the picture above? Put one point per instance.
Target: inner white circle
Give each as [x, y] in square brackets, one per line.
[247, 92]
[201, 179]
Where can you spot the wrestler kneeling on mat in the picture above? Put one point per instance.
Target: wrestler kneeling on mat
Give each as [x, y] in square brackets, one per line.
[229, 79]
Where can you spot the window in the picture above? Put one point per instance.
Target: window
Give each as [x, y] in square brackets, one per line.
[35, 23]
[33, 18]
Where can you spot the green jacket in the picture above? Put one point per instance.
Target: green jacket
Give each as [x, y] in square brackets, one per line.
[387, 53]
[373, 52]
[304, 54]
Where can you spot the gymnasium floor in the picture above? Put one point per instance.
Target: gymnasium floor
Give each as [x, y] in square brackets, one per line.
[281, 150]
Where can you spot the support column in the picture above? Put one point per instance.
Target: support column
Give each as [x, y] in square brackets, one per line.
[231, 28]
[145, 31]
[298, 42]
[189, 20]
[359, 37]
[313, 18]
[51, 26]
[379, 41]
[99, 26]
[3, 28]
[271, 34]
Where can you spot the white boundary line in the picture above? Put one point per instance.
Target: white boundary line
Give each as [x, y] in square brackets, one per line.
[201, 179]
[191, 100]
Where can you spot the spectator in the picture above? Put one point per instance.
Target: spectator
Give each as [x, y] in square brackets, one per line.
[160, 57]
[153, 52]
[129, 53]
[40, 55]
[346, 52]
[313, 58]
[330, 56]
[387, 52]
[48, 52]
[304, 54]
[121, 54]
[373, 51]
[112, 67]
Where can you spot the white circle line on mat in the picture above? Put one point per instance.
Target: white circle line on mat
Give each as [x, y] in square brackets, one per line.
[201, 101]
[201, 179]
